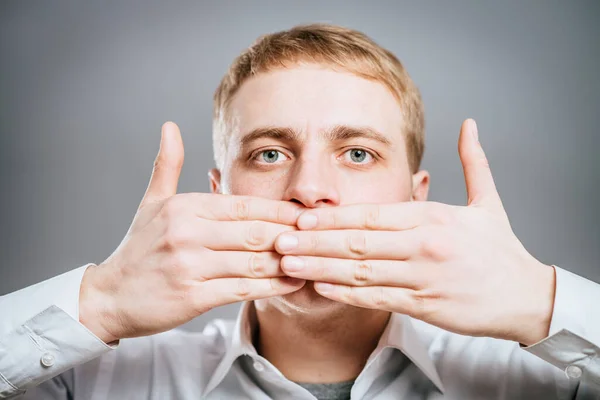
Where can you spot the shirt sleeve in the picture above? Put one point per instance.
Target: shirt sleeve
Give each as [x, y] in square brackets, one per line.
[40, 333]
[573, 344]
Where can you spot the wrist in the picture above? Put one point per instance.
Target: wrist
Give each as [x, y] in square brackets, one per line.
[93, 305]
[541, 302]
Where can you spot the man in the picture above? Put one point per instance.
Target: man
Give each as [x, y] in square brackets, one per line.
[354, 286]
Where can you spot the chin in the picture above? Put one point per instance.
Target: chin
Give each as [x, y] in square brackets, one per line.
[307, 301]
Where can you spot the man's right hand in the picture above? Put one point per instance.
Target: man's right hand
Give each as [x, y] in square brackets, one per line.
[185, 254]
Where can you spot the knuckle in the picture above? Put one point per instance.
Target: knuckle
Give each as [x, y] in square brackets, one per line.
[421, 304]
[175, 236]
[176, 266]
[322, 269]
[363, 272]
[161, 163]
[380, 298]
[357, 244]
[417, 306]
[242, 289]
[314, 242]
[255, 235]
[371, 217]
[240, 209]
[442, 215]
[171, 208]
[157, 163]
[328, 217]
[483, 161]
[280, 212]
[257, 265]
[430, 248]
[437, 246]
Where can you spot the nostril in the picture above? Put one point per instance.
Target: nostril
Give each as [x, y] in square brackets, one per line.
[315, 202]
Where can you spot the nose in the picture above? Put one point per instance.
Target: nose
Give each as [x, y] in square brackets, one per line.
[312, 184]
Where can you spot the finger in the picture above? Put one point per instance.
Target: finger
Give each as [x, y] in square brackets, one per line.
[356, 244]
[353, 272]
[249, 264]
[244, 208]
[393, 299]
[218, 292]
[241, 235]
[481, 189]
[167, 165]
[397, 216]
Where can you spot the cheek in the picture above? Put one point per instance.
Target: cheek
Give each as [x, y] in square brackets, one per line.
[385, 186]
[267, 185]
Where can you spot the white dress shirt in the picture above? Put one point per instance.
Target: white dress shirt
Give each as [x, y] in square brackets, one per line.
[46, 353]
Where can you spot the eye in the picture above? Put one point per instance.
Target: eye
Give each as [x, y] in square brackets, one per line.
[358, 156]
[270, 156]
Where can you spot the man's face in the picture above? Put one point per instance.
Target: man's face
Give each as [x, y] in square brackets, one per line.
[320, 138]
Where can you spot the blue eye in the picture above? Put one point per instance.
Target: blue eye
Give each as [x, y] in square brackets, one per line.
[270, 156]
[358, 156]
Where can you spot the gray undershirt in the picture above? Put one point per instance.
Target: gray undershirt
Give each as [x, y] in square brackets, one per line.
[322, 391]
[329, 391]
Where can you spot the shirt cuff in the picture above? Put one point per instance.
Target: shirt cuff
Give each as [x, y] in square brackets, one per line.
[576, 306]
[574, 336]
[40, 333]
[43, 347]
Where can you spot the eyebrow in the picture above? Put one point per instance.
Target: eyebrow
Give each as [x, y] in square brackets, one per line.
[335, 133]
[345, 132]
[283, 134]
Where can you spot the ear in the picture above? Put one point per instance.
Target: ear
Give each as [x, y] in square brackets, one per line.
[214, 175]
[420, 186]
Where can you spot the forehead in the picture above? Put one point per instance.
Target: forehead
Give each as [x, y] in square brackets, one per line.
[309, 98]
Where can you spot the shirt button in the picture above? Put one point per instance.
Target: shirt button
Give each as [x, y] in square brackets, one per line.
[47, 360]
[573, 372]
[258, 366]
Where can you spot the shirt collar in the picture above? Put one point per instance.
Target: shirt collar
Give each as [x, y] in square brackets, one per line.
[399, 334]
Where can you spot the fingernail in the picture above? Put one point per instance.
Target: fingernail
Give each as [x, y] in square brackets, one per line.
[287, 242]
[474, 130]
[323, 287]
[292, 264]
[307, 221]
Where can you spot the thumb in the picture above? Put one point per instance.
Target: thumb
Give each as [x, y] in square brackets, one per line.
[167, 166]
[481, 189]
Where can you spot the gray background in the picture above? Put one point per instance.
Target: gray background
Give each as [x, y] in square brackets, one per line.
[85, 87]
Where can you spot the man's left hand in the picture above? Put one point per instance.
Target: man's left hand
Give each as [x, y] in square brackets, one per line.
[459, 268]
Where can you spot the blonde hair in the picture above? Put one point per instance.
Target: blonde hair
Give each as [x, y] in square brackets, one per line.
[332, 45]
